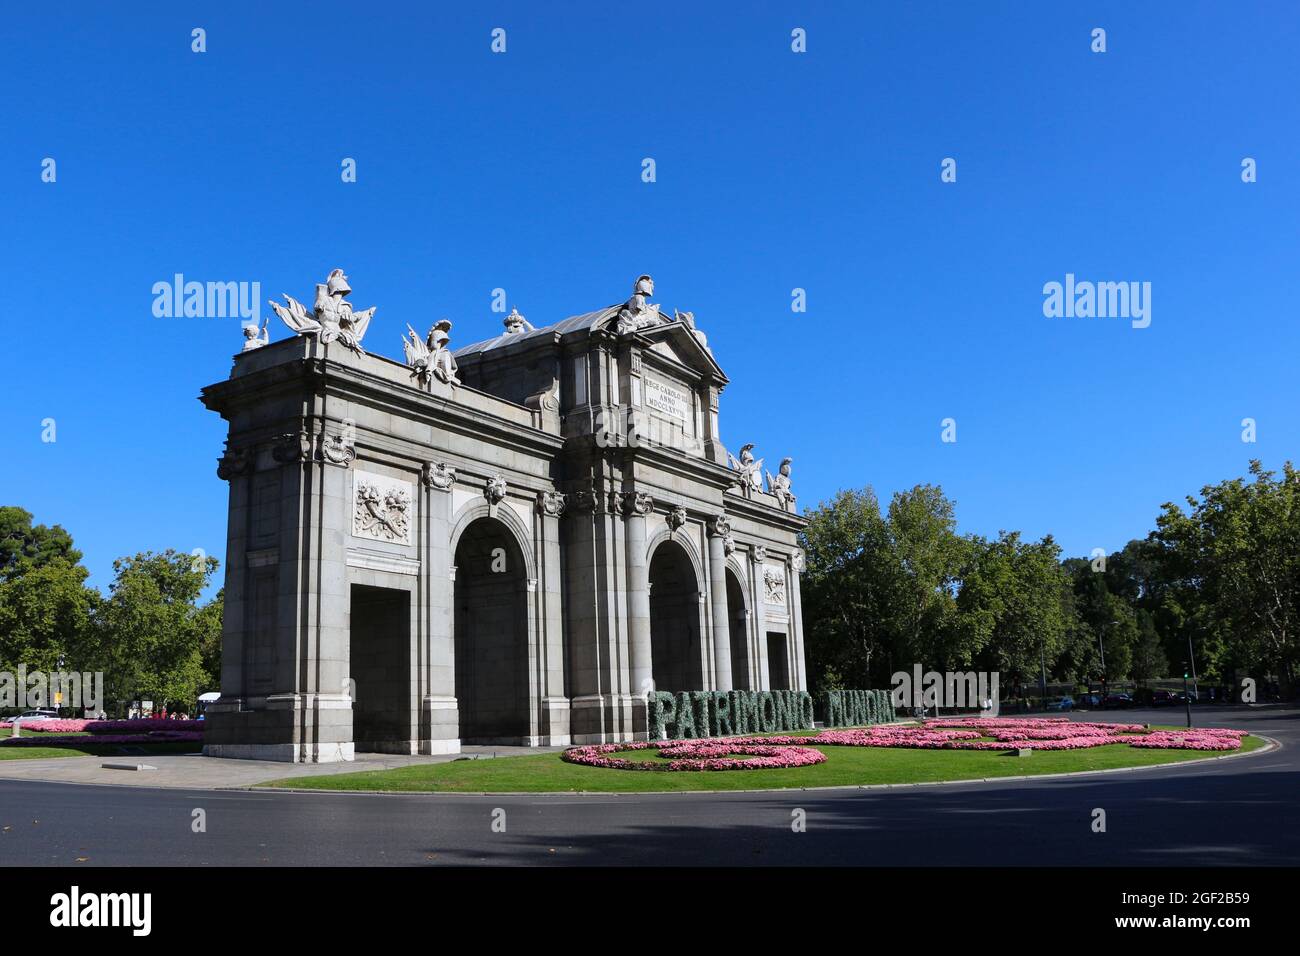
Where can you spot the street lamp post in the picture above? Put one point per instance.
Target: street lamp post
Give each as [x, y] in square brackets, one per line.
[1042, 663]
[1100, 635]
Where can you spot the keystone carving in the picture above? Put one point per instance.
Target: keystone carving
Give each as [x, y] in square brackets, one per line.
[495, 490]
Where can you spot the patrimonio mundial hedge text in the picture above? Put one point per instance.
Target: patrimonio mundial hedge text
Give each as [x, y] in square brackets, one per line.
[708, 713]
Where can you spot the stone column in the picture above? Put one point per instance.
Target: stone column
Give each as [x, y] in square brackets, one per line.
[223, 721]
[554, 727]
[439, 714]
[794, 605]
[757, 556]
[595, 618]
[718, 529]
[636, 506]
[235, 466]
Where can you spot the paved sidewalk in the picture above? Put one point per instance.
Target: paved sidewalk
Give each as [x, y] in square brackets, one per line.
[194, 771]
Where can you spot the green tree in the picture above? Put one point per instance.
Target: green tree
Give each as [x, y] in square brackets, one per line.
[1015, 602]
[44, 613]
[879, 590]
[24, 546]
[847, 589]
[1238, 548]
[150, 637]
[929, 558]
[1149, 660]
[1105, 629]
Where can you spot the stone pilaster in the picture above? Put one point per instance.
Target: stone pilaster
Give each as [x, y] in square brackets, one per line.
[637, 506]
[719, 528]
[798, 671]
[439, 713]
[554, 719]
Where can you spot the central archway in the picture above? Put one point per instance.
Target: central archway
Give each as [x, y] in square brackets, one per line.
[491, 635]
[674, 620]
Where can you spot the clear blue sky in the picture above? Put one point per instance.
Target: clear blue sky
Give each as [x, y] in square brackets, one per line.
[775, 171]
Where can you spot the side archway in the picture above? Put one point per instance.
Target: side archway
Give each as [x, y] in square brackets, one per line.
[676, 649]
[738, 631]
[491, 633]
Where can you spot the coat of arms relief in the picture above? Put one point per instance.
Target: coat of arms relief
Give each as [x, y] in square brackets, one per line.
[381, 508]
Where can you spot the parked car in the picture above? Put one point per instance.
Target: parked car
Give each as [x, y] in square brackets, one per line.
[1089, 700]
[35, 715]
[1061, 703]
[1164, 698]
[1117, 701]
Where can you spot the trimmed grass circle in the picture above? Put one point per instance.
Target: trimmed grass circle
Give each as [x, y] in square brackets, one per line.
[843, 766]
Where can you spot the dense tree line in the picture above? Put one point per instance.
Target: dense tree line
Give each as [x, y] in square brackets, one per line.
[1216, 582]
[149, 635]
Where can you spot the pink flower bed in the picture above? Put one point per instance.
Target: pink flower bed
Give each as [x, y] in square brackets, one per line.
[74, 725]
[1195, 739]
[964, 733]
[709, 754]
[160, 736]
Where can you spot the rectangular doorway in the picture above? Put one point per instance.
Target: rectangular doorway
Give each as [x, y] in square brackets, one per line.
[778, 662]
[379, 651]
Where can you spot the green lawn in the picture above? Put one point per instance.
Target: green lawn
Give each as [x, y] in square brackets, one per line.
[89, 750]
[844, 766]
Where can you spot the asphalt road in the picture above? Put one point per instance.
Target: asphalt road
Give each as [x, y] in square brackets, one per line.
[1230, 812]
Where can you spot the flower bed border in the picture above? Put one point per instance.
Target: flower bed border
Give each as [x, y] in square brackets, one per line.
[966, 733]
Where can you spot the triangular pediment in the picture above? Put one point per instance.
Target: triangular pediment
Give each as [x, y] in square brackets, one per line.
[678, 342]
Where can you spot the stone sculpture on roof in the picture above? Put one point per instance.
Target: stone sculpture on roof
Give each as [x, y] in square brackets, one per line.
[430, 358]
[748, 471]
[332, 316]
[516, 323]
[637, 313]
[255, 339]
[779, 486]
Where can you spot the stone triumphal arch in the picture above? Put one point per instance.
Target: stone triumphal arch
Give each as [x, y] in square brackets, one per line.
[510, 542]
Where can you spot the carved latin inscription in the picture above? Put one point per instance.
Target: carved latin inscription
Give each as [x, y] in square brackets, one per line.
[667, 399]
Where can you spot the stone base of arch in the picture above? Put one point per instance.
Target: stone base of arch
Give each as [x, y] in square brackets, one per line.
[608, 719]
